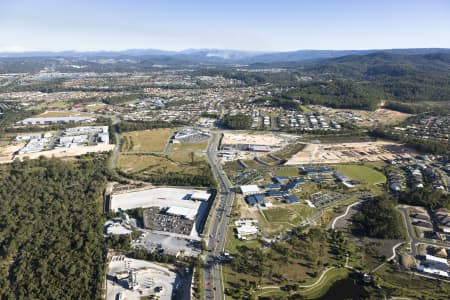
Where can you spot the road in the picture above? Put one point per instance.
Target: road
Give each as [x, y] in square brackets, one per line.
[333, 224]
[116, 151]
[218, 225]
[412, 235]
[410, 230]
[389, 259]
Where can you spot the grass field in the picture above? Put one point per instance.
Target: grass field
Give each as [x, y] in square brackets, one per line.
[361, 173]
[135, 163]
[289, 213]
[95, 106]
[286, 172]
[54, 114]
[154, 164]
[153, 140]
[58, 104]
[232, 242]
[185, 147]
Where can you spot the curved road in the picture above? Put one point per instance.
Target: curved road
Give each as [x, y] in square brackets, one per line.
[333, 224]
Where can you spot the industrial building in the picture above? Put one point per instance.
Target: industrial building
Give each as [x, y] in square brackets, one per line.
[245, 228]
[190, 135]
[69, 138]
[251, 189]
[255, 199]
[201, 195]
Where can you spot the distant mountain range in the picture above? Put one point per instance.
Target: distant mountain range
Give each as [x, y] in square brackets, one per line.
[223, 55]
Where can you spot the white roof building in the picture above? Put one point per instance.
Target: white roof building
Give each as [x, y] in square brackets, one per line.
[436, 260]
[246, 230]
[52, 120]
[251, 189]
[201, 195]
[433, 271]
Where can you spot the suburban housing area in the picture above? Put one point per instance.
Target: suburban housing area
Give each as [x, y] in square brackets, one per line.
[154, 177]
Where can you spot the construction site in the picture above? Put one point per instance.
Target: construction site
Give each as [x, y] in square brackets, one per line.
[350, 152]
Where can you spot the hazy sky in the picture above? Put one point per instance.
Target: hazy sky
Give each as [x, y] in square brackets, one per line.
[277, 25]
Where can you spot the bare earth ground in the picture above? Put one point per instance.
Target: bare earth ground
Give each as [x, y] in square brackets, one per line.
[349, 152]
[255, 139]
[62, 152]
[7, 151]
[380, 116]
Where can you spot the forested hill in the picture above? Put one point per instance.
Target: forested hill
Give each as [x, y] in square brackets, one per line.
[51, 242]
[384, 64]
[401, 77]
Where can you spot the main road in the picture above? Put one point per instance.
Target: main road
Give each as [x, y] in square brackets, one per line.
[218, 225]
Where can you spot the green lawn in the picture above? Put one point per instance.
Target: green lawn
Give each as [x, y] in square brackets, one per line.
[362, 173]
[286, 172]
[292, 213]
[232, 242]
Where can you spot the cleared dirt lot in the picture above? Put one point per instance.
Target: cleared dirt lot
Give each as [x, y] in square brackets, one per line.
[349, 152]
[255, 139]
[7, 151]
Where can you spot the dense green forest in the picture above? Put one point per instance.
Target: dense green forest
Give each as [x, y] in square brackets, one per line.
[237, 122]
[427, 197]
[51, 243]
[378, 218]
[336, 93]
[407, 78]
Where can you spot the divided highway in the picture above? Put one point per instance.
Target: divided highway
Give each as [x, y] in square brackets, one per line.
[218, 225]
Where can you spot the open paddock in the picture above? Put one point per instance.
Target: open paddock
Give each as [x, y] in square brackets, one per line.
[152, 140]
[349, 153]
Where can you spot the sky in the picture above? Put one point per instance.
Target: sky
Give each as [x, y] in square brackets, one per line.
[253, 25]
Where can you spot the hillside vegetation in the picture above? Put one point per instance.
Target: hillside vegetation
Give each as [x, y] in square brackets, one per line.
[51, 243]
[400, 77]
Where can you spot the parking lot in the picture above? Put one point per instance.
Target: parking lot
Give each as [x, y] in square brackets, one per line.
[324, 199]
[168, 243]
[155, 220]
